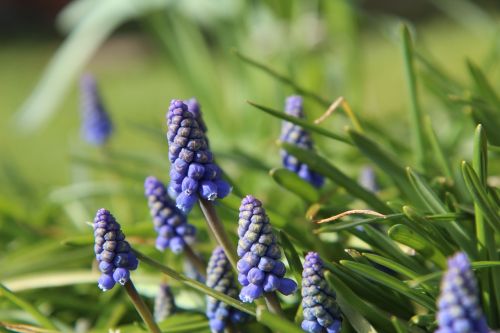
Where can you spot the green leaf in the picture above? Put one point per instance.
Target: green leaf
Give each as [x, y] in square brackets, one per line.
[291, 256]
[356, 309]
[483, 86]
[434, 204]
[481, 198]
[28, 307]
[75, 52]
[387, 163]
[322, 166]
[292, 182]
[405, 235]
[439, 155]
[276, 323]
[391, 282]
[185, 322]
[302, 123]
[416, 120]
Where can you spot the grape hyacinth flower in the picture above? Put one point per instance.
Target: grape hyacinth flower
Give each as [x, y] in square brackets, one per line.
[96, 123]
[296, 135]
[171, 225]
[321, 312]
[113, 252]
[195, 108]
[193, 173]
[220, 278]
[459, 310]
[164, 303]
[260, 268]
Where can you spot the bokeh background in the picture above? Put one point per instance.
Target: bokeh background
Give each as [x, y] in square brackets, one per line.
[51, 180]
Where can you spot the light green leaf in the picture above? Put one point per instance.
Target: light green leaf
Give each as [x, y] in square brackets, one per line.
[291, 256]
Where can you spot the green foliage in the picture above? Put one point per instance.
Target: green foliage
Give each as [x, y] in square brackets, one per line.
[437, 182]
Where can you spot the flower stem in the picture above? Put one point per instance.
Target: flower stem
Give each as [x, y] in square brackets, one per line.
[217, 228]
[197, 262]
[273, 304]
[141, 307]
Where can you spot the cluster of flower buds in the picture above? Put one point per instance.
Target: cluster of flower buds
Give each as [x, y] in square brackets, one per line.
[113, 253]
[220, 277]
[193, 173]
[96, 123]
[164, 303]
[459, 309]
[260, 268]
[169, 222]
[296, 135]
[321, 312]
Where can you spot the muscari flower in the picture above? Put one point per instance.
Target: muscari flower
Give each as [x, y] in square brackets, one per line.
[459, 310]
[260, 268]
[169, 222]
[96, 123]
[164, 303]
[298, 136]
[193, 173]
[321, 312]
[195, 108]
[113, 252]
[220, 278]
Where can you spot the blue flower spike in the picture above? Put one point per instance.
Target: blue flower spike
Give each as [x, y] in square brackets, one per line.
[321, 312]
[459, 310]
[299, 137]
[113, 252]
[260, 269]
[164, 303]
[195, 108]
[170, 223]
[193, 173]
[96, 124]
[220, 278]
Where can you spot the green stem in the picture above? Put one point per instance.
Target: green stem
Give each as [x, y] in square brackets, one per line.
[273, 304]
[28, 307]
[195, 260]
[484, 233]
[416, 120]
[217, 228]
[141, 307]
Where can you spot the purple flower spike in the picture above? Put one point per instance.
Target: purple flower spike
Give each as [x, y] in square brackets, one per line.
[220, 278]
[321, 312]
[112, 251]
[96, 123]
[193, 173]
[195, 108]
[260, 268]
[296, 135]
[459, 310]
[164, 303]
[169, 222]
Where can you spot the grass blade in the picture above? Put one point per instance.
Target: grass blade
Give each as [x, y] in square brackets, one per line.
[439, 155]
[391, 282]
[357, 308]
[28, 307]
[291, 256]
[322, 166]
[416, 120]
[293, 183]
[301, 122]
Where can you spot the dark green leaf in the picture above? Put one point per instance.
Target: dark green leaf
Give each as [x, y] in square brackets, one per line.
[291, 256]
